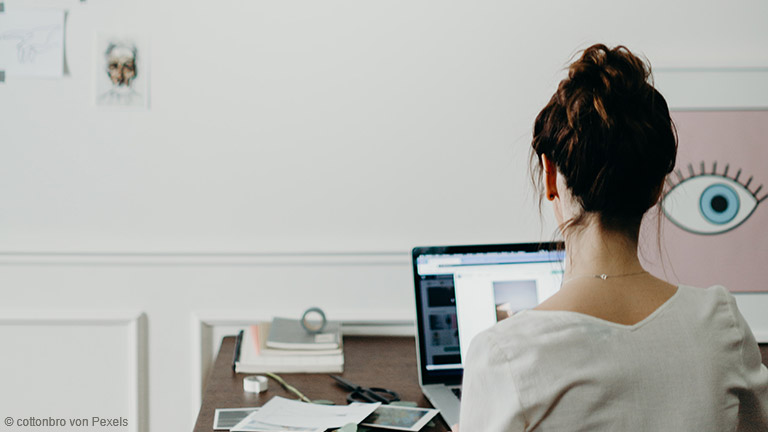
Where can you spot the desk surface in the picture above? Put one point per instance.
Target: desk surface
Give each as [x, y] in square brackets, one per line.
[371, 361]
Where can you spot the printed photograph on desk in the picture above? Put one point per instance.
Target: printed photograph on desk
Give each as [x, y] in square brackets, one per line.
[227, 418]
[399, 418]
[121, 65]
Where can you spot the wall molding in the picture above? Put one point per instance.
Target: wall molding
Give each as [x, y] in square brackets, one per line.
[136, 326]
[247, 259]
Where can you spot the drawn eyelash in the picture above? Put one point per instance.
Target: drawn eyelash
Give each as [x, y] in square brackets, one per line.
[703, 171]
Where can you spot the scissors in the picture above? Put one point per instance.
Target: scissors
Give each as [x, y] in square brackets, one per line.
[366, 394]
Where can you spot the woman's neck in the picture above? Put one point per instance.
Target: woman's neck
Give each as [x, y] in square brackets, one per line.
[591, 250]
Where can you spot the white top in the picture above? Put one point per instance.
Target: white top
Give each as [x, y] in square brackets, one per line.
[692, 365]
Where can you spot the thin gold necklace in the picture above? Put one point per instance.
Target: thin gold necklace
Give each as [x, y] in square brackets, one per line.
[602, 276]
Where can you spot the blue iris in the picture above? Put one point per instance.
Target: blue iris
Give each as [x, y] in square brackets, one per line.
[719, 203]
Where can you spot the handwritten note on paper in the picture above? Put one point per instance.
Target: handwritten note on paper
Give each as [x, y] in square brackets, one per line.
[294, 415]
[32, 42]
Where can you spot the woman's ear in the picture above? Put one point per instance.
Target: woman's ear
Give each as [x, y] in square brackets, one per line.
[550, 178]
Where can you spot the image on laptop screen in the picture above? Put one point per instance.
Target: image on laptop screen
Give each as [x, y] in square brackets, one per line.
[463, 290]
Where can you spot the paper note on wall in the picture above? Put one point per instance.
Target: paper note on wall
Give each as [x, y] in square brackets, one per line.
[32, 42]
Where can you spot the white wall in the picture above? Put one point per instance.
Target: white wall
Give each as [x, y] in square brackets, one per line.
[317, 125]
[278, 128]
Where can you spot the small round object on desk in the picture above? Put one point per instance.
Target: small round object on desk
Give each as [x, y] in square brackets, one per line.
[255, 383]
[313, 326]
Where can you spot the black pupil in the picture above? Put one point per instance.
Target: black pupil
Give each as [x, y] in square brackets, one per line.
[719, 203]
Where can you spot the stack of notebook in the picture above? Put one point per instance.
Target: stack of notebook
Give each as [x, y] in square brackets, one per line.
[284, 346]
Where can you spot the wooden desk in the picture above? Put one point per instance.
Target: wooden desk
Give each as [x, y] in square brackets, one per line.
[371, 361]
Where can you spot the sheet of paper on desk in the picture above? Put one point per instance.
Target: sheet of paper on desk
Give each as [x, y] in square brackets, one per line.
[255, 426]
[281, 412]
[32, 42]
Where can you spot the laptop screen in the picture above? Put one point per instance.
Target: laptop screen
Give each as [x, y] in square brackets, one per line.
[463, 290]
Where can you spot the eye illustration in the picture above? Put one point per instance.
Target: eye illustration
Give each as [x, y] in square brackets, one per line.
[710, 203]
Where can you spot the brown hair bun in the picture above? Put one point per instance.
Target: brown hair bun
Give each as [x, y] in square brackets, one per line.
[610, 135]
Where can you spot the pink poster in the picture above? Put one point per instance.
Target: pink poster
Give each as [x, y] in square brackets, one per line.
[714, 219]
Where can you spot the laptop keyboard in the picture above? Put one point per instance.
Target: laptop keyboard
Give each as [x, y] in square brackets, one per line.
[457, 392]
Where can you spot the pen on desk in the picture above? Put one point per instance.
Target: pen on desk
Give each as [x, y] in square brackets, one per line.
[236, 356]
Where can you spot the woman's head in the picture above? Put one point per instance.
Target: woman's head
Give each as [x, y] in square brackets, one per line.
[608, 134]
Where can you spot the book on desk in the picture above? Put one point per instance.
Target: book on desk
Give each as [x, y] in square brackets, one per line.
[257, 355]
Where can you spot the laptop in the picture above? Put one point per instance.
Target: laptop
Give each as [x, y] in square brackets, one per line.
[463, 290]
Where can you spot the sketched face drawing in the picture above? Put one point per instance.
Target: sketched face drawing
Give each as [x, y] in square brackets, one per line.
[121, 64]
[715, 207]
[122, 73]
